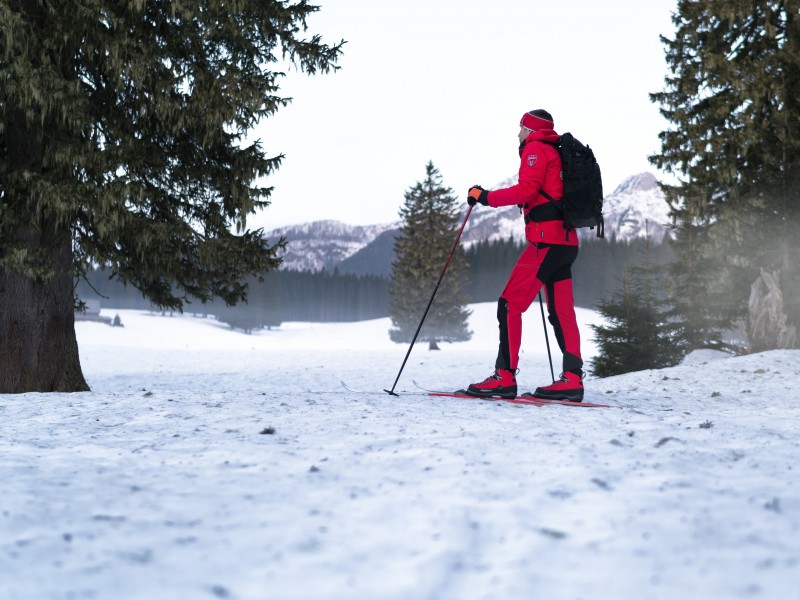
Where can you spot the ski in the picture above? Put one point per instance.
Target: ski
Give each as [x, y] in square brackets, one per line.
[465, 396]
[566, 402]
[523, 399]
[349, 389]
[428, 390]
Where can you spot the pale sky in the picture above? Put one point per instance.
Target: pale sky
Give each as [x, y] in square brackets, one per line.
[448, 81]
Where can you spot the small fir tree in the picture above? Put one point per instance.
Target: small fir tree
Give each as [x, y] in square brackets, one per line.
[638, 334]
[431, 219]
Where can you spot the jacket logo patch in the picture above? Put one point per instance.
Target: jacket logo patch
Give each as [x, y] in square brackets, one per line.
[532, 158]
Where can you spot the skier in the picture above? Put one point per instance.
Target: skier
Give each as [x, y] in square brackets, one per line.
[547, 262]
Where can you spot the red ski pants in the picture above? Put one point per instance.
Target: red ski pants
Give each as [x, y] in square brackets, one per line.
[548, 265]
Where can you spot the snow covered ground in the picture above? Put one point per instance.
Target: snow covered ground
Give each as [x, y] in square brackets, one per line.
[207, 463]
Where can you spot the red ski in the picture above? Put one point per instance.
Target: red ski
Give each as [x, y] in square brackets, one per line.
[524, 399]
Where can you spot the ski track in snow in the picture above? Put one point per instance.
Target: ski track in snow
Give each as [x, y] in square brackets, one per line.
[209, 464]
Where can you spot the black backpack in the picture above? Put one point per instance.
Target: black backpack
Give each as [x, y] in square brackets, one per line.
[582, 204]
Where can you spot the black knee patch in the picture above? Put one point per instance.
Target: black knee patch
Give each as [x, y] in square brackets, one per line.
[503, 353]
[502, 309]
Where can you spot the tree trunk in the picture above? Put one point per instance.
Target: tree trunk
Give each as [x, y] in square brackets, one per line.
[38, 347]
[37, 322]
[768, 327]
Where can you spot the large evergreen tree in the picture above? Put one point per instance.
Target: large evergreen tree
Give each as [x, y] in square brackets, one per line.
[122, 144]
[733, 100]
[431, 219]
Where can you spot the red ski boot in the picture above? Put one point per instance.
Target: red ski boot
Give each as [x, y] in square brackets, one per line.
[502, 384]
[568, 387]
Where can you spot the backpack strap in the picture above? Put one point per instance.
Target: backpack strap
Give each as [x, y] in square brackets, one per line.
[553, 202]
[551, 211]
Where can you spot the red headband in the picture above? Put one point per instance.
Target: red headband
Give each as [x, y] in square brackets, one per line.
[533, 123]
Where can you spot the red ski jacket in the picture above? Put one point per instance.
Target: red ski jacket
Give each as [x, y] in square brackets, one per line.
[539, 169]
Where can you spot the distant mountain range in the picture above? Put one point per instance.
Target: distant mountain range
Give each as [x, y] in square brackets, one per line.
[637, 208]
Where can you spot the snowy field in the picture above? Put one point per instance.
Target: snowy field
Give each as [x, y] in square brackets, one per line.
[207, 463]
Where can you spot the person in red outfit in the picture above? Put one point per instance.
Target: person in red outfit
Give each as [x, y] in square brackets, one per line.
[546, 262]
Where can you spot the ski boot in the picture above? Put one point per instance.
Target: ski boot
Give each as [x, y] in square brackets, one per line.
[501, 384]
[568, 387]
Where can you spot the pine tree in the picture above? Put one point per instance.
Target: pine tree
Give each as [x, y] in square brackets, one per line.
[733, 100]
[122, 144]
[638, 334]
[431, 220]
[490, 264]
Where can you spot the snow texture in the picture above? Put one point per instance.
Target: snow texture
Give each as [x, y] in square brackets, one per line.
[211, 464]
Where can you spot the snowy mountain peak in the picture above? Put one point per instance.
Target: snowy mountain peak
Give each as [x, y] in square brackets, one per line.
[641, 182]
[329, 229]
[636, 208]
[324, 244]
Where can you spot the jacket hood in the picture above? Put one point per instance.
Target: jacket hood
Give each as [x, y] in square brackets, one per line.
[540, 135]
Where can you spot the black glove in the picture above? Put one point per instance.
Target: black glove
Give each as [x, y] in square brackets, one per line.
[477, 195]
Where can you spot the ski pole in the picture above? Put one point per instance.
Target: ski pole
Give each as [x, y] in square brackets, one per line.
[546, 338]
[444, 270]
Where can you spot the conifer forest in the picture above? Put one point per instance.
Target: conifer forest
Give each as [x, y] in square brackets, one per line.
[324, 296]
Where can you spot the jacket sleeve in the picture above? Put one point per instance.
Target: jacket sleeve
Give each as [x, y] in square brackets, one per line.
[533, 165]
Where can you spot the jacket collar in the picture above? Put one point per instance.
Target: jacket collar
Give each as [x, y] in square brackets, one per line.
[540, 135]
